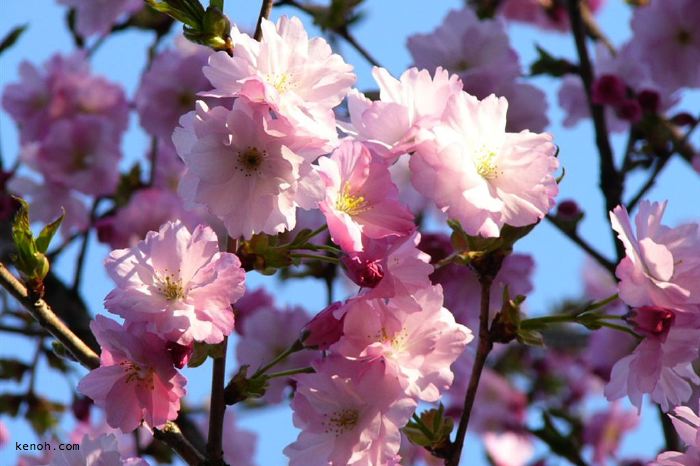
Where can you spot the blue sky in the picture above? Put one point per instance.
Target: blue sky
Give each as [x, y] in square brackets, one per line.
[384, 32]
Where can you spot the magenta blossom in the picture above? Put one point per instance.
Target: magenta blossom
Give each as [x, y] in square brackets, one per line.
[473, 170]
[136, 381]
[418, 346]
[177, 283]
[324, 329]
[247, 155]
[605, 430]
[360, 199]
[662, 264]
[687, 425]
[546, 14]
[349, 413]
[4, 435]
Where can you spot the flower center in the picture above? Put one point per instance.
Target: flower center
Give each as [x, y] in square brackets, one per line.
[684, 37]
[282, 82]
[397, 341]
[348, 203]
[171, 288]
[250, 160]
[341, 421]
[137, 374]
[485, 162]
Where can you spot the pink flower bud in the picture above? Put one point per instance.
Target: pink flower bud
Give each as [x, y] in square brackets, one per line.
[652, 321]
[649, 100]
[367, 273]
[568, 210]
[608, 89]
[180, 354]
[629, 110]
[81, 408]
[324, 329]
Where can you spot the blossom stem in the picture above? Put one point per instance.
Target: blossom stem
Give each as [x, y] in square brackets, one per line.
[287, 373]
[331, 260]
[44, 315]
[482, 352]
[265, 10]
[611, 181]
[217, 408]
[295, 347]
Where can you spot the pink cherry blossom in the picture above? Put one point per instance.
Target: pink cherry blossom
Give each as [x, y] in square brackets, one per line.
[473, 171]
[478, 51]
[178, 283]
[79, 151]
[391, 268]
[418, 346]
[146, 211]
[687, 424]
[324, 329]
[661, 365]
[508, 448]
[527, 107]
[262, 342]
[135, 381]
[360, 198]
[98, 16]
[247, 155]
[301, 79]
[64, 88]
[169, 88]
[251, 302]
[349, 413]
[605, 430]
[406, 105]
[100, 451]
[662, 264]
[665, 35]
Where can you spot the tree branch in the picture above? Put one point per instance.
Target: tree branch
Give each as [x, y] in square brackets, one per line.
[573, 236]
[265, 10]
[217, 409]
[482, 352]
[611, 182]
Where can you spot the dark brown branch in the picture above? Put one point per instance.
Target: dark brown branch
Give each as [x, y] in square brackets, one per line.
[217, 409]
[573, 236]
[171, 435]
[482, 352]
[611, 182]
[265, 10]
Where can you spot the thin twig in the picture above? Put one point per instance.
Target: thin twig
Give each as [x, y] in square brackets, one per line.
[27, 332]
[217, 408]
[171, 435]
[573, 236]
[482, 352]
[265, 10]
[611, 182]
[350, 39]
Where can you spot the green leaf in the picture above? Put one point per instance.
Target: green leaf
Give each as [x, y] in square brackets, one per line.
[42, 413]
[11, 37]
[217, 4]
[10, 403]
[48, 232]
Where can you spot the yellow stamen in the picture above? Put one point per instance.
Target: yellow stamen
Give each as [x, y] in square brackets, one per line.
[351, 205]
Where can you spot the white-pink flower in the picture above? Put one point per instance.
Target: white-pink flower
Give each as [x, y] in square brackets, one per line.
[481, 175]
[360, 198]
[178, 283]
[418, 346]
[301, 79]
[478, 51]
[662, 264]
[349, 413]
[406, 105]
[508, 448]
[249, 169]
[136, 381]
[687, 425]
